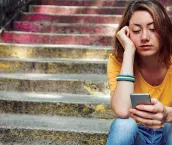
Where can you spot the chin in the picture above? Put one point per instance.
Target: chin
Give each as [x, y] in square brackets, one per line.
[146, 53]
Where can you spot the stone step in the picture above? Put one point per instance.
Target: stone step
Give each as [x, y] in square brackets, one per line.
[66, 28]
[68, 10]
[49, 38]
[39, 130]
[167, 2]
[52, 65]
[74, 18]
[62, 83]
[96, 106]
[100, 3]
[54, 51]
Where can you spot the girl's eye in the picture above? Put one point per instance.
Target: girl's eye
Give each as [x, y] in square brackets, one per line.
[136, 32]
[152, 30]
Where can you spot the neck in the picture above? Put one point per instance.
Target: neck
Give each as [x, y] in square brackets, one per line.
[152, 70]
[151, 63]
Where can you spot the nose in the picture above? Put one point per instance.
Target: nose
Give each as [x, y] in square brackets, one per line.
[145, 36]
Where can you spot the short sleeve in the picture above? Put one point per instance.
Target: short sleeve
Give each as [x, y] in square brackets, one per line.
[113, 69]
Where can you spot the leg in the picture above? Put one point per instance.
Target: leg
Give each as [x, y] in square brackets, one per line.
[148, 136]
[122, 132]
[168, 133]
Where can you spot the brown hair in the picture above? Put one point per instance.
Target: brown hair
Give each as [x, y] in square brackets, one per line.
[162, 27]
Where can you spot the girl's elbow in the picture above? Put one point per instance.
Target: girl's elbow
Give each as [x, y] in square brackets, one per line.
[121, 113]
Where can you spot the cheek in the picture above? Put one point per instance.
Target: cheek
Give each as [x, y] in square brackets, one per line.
[135, 39]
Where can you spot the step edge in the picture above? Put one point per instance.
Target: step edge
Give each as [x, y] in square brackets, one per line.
[58, 34]
[88, 15]
[95, 47]
[94, 7]
[47, 97]
[52, 123]
[72, 24]
[55, 77]
[55, 60]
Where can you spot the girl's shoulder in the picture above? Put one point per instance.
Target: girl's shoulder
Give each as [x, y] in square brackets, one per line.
[113, 59]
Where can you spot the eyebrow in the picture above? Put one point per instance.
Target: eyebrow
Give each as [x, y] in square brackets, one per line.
[140, 25]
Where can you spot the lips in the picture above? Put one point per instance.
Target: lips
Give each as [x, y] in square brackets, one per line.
[146, 46]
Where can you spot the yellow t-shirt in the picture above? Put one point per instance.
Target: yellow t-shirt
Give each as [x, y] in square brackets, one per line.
[163, 92]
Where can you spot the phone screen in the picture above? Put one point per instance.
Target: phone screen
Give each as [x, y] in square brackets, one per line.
[142, 98]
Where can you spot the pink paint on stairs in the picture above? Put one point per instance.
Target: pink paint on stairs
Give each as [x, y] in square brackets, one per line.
[64, 28]
[85, 2]
[100, 19]
[167, 2]
[28, 26]
[38, 38]
[46, 9]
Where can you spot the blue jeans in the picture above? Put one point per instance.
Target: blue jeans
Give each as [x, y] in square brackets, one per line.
[128, 132]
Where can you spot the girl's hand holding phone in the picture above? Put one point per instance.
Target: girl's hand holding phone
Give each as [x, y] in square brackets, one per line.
[123, 37]
[152, 116]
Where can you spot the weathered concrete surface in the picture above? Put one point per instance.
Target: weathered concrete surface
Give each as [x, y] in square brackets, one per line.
[55, 129]
[66, 28]
[96, 106]
[52, 66]
[76, 18]
[54, 51]
[71, 83]
[55, 97]
[45, 38]
[99, 3]
[63, 10]
[37, 137]
[63, 109]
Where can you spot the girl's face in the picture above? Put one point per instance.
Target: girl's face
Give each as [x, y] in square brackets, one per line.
[143, 34]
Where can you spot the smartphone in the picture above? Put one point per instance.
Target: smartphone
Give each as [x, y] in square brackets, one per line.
[140, 98]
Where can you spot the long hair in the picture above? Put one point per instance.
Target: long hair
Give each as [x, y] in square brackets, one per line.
[162, 26]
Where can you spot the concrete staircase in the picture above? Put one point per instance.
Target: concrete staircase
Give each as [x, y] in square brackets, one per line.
[53, 84]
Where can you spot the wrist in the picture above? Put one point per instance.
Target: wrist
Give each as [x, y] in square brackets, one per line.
[165, 118]
[168, 111]
[129, 56]
[128, 62]
[130, 51]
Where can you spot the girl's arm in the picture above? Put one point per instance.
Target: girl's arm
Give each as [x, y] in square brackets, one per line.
[120, 97]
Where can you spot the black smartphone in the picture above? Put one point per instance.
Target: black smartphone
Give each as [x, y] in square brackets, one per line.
[140, 98]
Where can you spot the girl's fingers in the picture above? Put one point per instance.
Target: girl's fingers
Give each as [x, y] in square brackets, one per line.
[147, 115]
[151, 108]
[147, 122]
[141, 113]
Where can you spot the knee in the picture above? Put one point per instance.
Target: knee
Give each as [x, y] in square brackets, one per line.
[122, 131]
[124, 125]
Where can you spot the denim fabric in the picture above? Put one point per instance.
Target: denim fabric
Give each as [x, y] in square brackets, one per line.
[149, 136]
[168, 134]
[127, 132]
